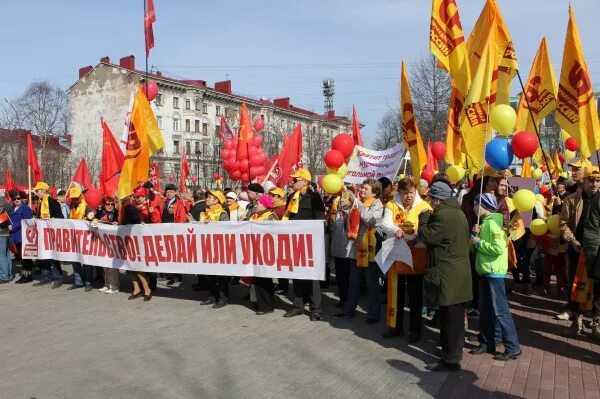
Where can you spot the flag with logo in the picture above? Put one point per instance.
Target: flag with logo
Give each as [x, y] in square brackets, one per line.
[288, 160]
[32, 161]
[112, 161]
[576, 108]
[143, 141]
[447, 42]
[454, 142]
[410, 132]
[356, 128]
[149, 19]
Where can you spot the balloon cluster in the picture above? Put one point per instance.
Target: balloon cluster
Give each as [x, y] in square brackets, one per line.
[250, 166]
[336, 160]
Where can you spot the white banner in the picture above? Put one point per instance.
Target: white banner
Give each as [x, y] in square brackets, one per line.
[284, 249]
[365, 163]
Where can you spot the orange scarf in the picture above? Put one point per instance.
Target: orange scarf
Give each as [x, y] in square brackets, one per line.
[79, 212]
[365, 251]
[293, 204]
[44, 207]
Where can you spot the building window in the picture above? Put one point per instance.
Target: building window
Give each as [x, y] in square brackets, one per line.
[197, 147]
[314, 130]
[226, 112]
[197, 105]
[205, 149]
[187, 125]
[176, 147]
[217, 152]
[188, 147]
[262, 116]
[197, 126]
[218, 110]
[187, 104]
[176, 102]
[175, 124]
[205, 109]
[159, 99]
[159, 121]
[205, 129]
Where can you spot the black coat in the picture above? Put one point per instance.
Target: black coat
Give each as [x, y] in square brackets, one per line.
[53, 207]
[131, 215]
[310, 207]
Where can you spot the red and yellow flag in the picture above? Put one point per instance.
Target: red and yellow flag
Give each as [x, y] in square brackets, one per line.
[540, 93]
[526, 170]
[143, 141]
[576, 109]
[447, 42]
[507, 57]
[410, 131]
[558, 169]
[454, 141]
[474, 117]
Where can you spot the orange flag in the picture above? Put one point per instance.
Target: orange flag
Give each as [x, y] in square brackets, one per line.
[454, 141]
[526, 170]
[447, 42]
[143, 141]
[576, 108]
[244, 133]
[356, 128]
[410, 131]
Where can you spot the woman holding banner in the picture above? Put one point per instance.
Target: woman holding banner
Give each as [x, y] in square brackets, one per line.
[218, 286]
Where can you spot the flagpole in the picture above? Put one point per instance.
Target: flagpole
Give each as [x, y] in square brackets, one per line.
[146, 50]
[270, 171]
[487, 125]
[535, 127]
[29, 181]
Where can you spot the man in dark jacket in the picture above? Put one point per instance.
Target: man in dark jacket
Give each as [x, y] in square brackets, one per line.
[48, 208]
[448, 274]
[305, 204]
[590, 244]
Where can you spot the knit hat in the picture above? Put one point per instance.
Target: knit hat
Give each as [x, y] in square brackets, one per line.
[255, 187]
[266, 201]
[440, 190]
[487, 201]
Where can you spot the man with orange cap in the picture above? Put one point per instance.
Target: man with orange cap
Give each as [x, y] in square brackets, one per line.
[305, 204]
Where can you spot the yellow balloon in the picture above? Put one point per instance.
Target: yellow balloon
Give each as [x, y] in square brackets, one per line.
[540, 198]
[503, 119]
[553, 223]
[332, 183]
[401, 176]
[564, 135]
[331, 171]
[569, 155]
[537, 173]
[538, 227]
[455, 173]
[342, 171]
[524, 200]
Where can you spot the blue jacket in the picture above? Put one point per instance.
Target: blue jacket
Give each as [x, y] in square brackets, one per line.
[22, 212]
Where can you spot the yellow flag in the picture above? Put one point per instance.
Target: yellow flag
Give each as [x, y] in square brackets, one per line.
[576, 109]
[410, 131]
[143, 141]
[474, 123]
[540, 93]
[454, 140]
[558, 169]
[526, 170]
[507, 58]
[447, 42]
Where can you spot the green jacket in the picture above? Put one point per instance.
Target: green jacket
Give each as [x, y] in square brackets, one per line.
[446, 234]
[492, 250]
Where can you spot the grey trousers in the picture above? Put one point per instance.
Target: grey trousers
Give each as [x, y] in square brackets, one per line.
[305, 291]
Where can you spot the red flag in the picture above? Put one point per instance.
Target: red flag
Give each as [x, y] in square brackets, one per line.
[112, 161]
[289, 159]
[9, 185]
[224, 130]
[432, 163]
[244, 133]
[154, 176]
[32, 161]
[185, 171]
[82, 176]
[356, 128]
[149, 19]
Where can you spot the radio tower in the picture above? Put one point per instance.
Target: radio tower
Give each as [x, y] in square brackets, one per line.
[328, 92]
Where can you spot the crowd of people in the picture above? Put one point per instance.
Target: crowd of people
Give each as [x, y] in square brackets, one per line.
[464, 240]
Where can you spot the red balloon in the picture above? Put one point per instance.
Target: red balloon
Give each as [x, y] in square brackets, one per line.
[334, 159]
[255, 171]
[225, 154]
[427, 175]
[544, 190]
[93, 197]
[255, 161]
[572, 144]
[228, 144]
[561, 158]
[171, 178]
[243, 165]
[344, 144]
[257, 140]
[262, 170]
[194, 179]
[235, 175]
[245, 178]
[524, 144]
[252, 152]
[259, 124]
[152, 90]
[438, 149]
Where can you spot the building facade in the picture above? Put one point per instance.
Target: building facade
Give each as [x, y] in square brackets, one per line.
[188, 113]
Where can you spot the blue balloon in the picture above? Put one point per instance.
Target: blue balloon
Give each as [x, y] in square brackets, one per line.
[498, 153]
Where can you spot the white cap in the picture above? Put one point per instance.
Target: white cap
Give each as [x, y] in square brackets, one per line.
[232, 195]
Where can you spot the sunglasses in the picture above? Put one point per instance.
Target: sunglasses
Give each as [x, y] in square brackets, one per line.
[109, 204]
[296, 180]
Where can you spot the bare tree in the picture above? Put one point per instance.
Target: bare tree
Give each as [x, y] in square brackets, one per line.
[89, 150]
[430, 87]
[388, 131]
[314, 145]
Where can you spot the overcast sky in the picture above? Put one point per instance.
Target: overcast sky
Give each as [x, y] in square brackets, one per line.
[268, 48]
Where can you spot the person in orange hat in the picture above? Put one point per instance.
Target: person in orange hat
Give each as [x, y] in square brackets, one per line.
[278, 196]
[79, 210]
[218, 286]
[305, 204]
[47, 208]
